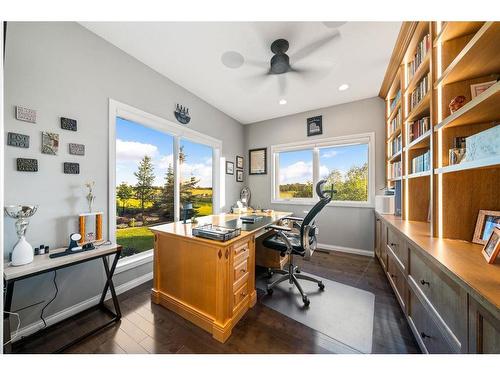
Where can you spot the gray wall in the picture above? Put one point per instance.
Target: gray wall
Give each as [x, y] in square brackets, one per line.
[339, 226]
[62, 69]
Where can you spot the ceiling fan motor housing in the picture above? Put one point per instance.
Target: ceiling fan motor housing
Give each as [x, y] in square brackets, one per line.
[280, 62]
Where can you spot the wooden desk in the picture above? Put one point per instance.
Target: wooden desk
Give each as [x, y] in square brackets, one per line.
[209, 283]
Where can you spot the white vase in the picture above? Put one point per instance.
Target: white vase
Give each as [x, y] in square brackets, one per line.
[22, 253]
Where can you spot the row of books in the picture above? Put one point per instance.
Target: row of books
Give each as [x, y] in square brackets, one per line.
[421, 163]
[395, 100]
[422, 50]
[395, 145]
[418, 128]
[395, 122]
[395, 169]
[422, 88]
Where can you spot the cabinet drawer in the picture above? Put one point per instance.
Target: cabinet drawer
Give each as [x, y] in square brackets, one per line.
[445, 296]
[240, 295]
[426, 329]
[396, 243]
[397, 280]
[241, 252]
[240, 270]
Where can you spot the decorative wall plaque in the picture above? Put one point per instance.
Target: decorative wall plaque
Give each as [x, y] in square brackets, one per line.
[76, 149]
[25, 114]
[68, 124]
[71, 168]
[315, 125]
[18, 140]
[182, 114]
[27, 165]
[50, 143]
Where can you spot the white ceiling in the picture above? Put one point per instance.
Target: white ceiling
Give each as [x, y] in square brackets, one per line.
[189, 53]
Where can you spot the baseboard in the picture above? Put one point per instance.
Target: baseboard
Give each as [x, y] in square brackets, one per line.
[343, 249]
[75, 309]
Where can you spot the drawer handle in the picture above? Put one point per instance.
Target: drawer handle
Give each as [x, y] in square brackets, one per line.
[243, 270]
[423, 282]
[393, 276]
[394, 244]
[243, 294]
[424, 336]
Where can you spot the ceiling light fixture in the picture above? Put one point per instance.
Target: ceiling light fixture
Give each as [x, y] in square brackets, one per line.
[282, 101]
[343, 87]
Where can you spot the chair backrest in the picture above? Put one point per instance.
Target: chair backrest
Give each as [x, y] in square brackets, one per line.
[308, 229]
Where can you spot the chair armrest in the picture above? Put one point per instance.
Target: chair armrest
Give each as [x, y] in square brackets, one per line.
[279, 228]
[293, 218]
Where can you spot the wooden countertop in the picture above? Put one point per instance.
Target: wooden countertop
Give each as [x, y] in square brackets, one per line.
[43, 262]
[461, 260]
[178, 228]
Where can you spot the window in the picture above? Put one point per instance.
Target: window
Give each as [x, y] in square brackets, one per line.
[155, 166]
[345, 162]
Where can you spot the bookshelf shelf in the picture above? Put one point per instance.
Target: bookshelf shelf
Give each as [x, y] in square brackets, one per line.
[465, 65]
[420, 109]
[419, 74]
[466, 165]
[419, 174]
[395, 110]
[483, 108]
[394, 179]
[395, 157]
[453, 30]
[421, 142]
[394, 134]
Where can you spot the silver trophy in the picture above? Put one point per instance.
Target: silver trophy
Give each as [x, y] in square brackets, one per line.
[23, 251]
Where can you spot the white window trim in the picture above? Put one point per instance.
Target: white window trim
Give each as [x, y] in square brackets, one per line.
[315, 145]
[118, 109]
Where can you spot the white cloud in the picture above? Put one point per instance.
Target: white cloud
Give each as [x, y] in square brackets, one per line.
[201, 171]
[164, 161]
[330, 154]
[323, 171]
[298, 172]
[134, 151]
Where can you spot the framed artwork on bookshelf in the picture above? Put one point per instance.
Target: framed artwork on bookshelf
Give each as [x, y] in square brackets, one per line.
[485, 224]
[479, 88]
[492, 247]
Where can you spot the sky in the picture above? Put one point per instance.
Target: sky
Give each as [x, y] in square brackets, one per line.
[133, 141]
[296, 166]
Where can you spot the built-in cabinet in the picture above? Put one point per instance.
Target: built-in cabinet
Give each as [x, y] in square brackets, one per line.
[442, 315]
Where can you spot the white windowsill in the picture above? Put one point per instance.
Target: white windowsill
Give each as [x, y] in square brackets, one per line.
[134, 261]
[331, 204]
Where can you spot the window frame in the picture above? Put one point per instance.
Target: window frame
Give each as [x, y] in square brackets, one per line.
[315, 146]
[178, 132]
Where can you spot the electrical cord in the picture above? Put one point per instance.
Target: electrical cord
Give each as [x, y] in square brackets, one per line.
[18, 326]
[48, 303]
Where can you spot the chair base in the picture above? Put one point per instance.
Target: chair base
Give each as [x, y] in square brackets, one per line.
[293, 276]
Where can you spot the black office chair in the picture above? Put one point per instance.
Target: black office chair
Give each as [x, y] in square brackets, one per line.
[290, 243]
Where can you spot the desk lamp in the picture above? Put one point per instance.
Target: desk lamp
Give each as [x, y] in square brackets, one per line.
[186, 207]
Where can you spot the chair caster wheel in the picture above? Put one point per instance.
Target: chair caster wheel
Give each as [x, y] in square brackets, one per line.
[306, 301]
[270, 273]
[297, 270]
[321, 285]
[269, 292]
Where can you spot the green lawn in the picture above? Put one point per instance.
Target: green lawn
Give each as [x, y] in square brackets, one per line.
[139, 239]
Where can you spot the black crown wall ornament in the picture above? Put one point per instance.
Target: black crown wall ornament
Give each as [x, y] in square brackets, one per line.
[182, 114]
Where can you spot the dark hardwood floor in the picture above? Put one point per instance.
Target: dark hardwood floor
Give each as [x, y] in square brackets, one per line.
[148, 328]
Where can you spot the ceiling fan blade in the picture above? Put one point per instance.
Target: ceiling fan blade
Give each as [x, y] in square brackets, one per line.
[257, 64]
[312, 74]
[333, 24]
[282, 82]
[314, 46]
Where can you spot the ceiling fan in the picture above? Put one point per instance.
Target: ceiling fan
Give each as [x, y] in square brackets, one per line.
[281, 63]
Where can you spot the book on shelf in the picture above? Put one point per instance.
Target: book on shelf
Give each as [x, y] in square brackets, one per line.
[420, 53]
[395, 145]
[395, 170]
[421, 163]
[394, 100]
[423, 87]
[418, 128]
[395, 122]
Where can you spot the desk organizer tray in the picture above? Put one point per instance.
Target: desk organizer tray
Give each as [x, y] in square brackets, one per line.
[215, 232]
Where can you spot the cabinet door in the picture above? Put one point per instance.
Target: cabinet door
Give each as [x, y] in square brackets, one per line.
[383, 247]
[378, 235]
[484, 330]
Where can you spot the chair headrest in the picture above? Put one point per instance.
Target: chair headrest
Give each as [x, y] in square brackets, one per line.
[321, 192]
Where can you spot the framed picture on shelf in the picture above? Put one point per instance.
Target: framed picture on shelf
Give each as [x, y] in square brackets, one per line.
[485, 224]
[258, 161]
[492, 247]
[239, 175]
[479, 88]
[229, 167]
[239, 162]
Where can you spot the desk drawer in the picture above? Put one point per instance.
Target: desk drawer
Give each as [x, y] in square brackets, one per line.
[426, 328]
[240, 295]
[240, 270]
[241, 252]
[396, 243]
[445, 296]
[397, 280]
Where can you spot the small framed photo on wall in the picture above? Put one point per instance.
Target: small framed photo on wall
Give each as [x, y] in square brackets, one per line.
[239, 162]
[314, 126]
[229, 167]
[239, 175]
[486, 222]
[258, 161]
[492, 247]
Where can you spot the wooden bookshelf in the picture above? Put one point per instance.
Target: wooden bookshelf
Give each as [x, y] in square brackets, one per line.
[461, 54]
